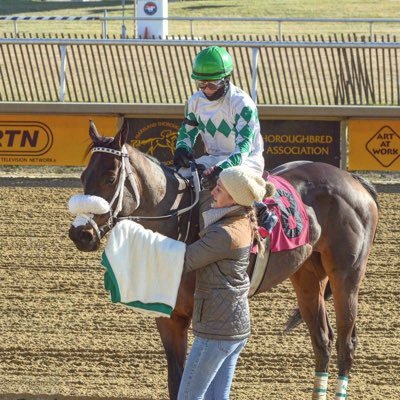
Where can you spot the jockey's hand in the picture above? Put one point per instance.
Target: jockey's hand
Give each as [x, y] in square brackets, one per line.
[182, 157]
[200, 169]
[210, 177]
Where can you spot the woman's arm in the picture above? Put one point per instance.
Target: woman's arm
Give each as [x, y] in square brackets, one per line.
[215, 245]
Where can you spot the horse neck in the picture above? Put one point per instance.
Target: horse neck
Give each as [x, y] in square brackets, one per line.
[160, 188]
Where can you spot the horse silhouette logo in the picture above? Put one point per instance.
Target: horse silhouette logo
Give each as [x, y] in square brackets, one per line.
[157, 143]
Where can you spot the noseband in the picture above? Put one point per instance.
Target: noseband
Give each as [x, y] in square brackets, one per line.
[125, 172]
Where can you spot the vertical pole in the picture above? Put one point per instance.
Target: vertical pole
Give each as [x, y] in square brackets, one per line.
[280, 30]
[191, 28]
[123, 27]
[255, 51]
[135, 29]
[63, 67]
[343, 143]
[15, 27]
[104, 25]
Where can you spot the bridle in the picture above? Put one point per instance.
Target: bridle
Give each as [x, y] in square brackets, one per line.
[125, 172]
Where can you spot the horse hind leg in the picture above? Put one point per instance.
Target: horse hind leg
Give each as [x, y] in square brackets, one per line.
[345, 301]
[346, 264]
[345, 294]
[309, 283]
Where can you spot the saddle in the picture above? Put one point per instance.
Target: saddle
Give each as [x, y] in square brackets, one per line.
[283, 225]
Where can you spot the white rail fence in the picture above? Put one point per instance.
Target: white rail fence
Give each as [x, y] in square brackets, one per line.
[158, 71]
[368, 23]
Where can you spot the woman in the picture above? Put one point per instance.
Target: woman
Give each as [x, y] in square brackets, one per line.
[221, 320]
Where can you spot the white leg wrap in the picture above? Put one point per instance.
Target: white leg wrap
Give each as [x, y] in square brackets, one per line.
[320, 386]
[341, 387]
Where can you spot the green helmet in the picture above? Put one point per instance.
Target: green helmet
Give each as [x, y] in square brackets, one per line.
[212, 63]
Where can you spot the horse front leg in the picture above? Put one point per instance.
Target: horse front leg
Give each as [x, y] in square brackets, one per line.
[173, 332]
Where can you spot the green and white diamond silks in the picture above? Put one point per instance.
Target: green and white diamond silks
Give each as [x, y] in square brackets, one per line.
[229, 127]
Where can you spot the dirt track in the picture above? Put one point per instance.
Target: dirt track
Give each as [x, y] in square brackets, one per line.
[62, 338]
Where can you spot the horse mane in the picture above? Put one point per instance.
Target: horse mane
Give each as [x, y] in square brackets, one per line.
[156, 161]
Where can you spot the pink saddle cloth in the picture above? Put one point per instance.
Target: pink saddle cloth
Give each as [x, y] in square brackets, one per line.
[292, 229]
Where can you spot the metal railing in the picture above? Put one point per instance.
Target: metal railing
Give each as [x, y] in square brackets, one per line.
[158, 71]
[279, 21]
[370, 22]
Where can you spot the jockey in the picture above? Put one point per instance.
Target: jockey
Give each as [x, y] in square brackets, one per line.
[225, 117]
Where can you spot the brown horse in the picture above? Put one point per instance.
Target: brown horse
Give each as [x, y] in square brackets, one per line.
[343, 216]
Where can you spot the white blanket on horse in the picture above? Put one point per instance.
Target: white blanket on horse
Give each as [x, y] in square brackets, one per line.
[143, 268]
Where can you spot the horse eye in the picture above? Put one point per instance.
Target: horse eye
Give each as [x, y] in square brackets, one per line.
[109, 180]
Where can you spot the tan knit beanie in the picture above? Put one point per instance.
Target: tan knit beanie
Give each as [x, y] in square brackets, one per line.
[243, 184]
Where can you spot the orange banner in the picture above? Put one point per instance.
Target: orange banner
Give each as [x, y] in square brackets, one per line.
[374, 144]
[49, 139]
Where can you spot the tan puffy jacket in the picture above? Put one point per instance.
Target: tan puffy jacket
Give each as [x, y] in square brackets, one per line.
[220, 258]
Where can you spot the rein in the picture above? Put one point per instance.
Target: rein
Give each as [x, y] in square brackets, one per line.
[126, 173]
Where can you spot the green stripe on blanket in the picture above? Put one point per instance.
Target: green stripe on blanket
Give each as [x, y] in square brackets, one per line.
[111, 285]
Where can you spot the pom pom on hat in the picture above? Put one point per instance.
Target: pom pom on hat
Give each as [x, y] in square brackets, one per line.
[269, 190]
[243, 184]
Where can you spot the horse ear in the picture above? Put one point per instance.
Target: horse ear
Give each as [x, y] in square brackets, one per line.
[94, 135]
[122, 136]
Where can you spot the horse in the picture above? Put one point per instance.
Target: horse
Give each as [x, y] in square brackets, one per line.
[343, 212]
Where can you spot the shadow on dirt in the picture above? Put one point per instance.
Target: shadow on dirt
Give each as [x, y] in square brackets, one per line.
[41, 182]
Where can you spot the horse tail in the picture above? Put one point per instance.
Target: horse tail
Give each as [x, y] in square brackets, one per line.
[295, 319]
[368, 186]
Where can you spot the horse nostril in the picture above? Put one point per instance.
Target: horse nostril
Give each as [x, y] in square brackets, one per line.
[85, 236]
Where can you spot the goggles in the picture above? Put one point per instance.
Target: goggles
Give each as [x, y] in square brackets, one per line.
[213, 85]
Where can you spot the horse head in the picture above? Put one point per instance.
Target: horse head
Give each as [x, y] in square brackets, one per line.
[106, 196]
[122, 182]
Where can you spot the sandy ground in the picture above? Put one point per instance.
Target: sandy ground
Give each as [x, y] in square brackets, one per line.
[61, 338]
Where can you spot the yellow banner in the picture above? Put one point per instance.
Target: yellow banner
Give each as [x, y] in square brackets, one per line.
[49, 139]
[374, 144]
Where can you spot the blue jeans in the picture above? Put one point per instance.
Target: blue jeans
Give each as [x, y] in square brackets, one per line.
[209, 369]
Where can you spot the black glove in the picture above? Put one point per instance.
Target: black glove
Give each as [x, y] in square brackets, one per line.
[200, 169]
[209, 181]
[182, 157]
[266, 219]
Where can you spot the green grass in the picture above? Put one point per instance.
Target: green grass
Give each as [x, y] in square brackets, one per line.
[206, 8]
